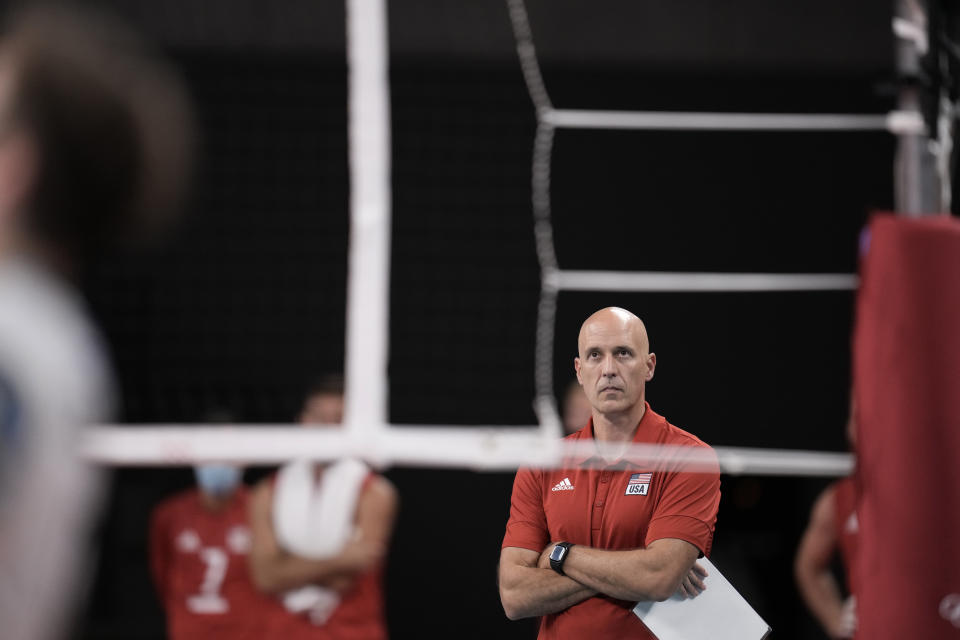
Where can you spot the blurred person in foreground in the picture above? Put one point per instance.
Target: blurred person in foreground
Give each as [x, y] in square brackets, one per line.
[833, 530]
[320, 537]
[577, 409]
[199, 542]
[586, 542]
[95, 141]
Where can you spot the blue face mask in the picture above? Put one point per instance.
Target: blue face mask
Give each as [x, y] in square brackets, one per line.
[218, 479]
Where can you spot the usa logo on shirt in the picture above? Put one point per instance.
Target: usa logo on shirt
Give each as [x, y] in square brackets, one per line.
[638, 485]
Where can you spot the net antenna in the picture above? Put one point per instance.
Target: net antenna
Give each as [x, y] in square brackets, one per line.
[545, 402]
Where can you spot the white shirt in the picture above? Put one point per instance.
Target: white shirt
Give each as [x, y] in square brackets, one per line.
[54, 380]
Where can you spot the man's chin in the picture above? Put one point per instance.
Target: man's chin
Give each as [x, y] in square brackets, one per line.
[614, 407]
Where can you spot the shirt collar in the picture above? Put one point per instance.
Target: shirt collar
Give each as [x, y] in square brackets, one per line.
[643, 434]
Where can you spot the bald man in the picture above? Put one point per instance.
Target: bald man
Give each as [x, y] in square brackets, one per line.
[586, 542]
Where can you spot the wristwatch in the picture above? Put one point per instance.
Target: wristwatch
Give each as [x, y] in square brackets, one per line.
[559, 555]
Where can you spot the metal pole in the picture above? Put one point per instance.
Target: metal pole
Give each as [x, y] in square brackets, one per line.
[917, 188]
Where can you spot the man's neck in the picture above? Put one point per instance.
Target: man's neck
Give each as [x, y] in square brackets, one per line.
[616, 430]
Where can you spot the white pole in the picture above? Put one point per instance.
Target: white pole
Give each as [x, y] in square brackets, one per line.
[368, 294]
[707, 121]
[672, 282]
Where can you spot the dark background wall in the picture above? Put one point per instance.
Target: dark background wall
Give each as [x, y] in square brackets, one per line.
[245, 302]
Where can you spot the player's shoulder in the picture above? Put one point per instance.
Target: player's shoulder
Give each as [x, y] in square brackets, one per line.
[683, 437]
[842, 493]
[49, 346]
[179, 502]
[690, 449]
[379, 485]
[584, 433]
[676, 435]
[527, 475]
[844, 486]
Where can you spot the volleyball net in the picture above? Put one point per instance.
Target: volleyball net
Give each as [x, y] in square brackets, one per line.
[367, 431]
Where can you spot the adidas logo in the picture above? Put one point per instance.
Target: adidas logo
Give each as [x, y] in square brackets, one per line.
[563, 485]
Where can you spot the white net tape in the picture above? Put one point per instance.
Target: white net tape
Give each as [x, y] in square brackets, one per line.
[480, 448]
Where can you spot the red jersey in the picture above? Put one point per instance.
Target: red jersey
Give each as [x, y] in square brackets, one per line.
[611, 506]
[359, 615]
[199, 564]
[847, 526]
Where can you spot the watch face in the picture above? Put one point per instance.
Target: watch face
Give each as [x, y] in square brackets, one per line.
[557, 554]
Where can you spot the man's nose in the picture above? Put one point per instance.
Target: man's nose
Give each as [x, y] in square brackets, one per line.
[607, 367]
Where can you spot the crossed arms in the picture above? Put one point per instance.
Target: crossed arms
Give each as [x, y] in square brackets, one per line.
[275, 570]
[529, 587]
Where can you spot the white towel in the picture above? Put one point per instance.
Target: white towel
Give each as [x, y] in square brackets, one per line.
[314, 519]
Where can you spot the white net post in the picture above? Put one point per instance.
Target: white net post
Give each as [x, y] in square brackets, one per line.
[368, 293]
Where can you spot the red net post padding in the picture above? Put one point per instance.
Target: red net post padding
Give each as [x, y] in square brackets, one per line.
[907, 385]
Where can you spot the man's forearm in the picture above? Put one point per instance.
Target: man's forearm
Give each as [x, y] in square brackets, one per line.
[637, 575]
[530, 591]
[820, 591]
[284, 571]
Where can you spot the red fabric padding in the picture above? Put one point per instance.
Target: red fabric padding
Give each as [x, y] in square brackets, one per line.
[907, 387]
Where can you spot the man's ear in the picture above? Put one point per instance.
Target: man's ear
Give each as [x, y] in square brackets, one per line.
[576, 367]
[651, 365]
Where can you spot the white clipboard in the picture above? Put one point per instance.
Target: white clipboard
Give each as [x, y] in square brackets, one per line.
[718, 613]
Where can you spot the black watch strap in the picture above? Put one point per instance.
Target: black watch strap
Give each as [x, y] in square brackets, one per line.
[559, 556]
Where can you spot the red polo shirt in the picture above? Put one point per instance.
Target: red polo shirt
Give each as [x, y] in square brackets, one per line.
[613, 506]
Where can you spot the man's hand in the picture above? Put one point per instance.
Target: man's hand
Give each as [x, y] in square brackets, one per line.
[846, 625]
[692, 584]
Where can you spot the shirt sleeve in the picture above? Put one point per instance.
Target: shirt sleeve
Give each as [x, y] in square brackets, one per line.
[687, 509]
[527, 526]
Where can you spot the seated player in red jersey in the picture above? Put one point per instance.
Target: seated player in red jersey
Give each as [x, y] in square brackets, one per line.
[585, 543]
[199, 541]
[833, 527]
[320, 535]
